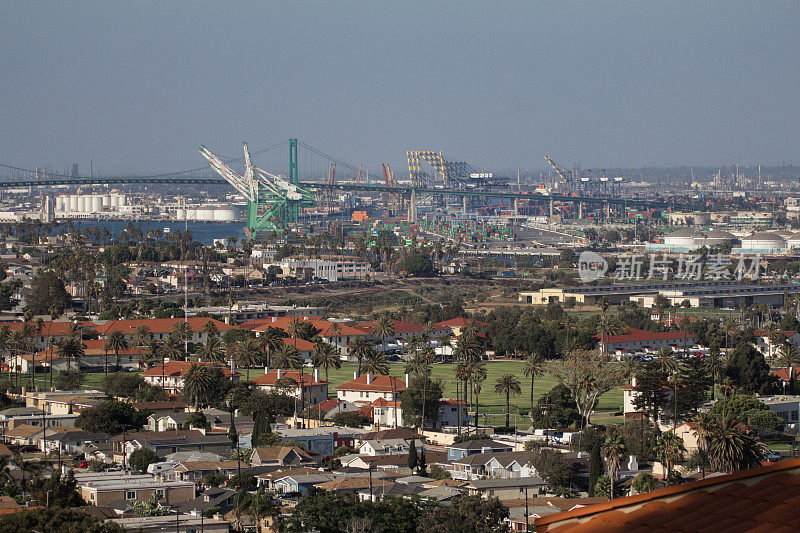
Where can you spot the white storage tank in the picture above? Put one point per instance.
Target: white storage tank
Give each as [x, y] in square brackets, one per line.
[764, 242]
[97, 204]
[180, 214]
[794, 240]
[73, 203]
[114, 202]
[82, 204]
[226, 215]
[106, 201]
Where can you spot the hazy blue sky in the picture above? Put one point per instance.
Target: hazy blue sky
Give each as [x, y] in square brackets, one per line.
[136, 86]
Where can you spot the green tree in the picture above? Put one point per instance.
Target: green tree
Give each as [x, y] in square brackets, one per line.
[732, 448]
[644, 482]
[359, 348]
[326, 356]
[248, 353]
[421, 398]
[47, 290]
[111, 417]
[595, 468]
[196, 382]
[613, 451]
[142, 458]
[69, 379]
[534, 367]
[466, 514]
[413, 458]
[116, 342]
[507, 385]
[197, 420]
[748, 371]
[749, 410]
[55, 519]
[352, 419]
[122, 385]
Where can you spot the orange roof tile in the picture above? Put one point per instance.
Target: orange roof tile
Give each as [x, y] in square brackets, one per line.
[271, 378]
[378, 383]
[759, 499]
[459, 322]
[178, 368]
[325, 326]
[157, 325]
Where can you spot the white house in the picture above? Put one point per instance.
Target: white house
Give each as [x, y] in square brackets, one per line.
[365, 389]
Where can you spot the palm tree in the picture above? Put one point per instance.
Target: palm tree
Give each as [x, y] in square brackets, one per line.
[141, 338]
[247, 354]
[230, 299]
[294, 328]
[789, 356]
[384, 327]
[70, 349]
[730, 326]
[375, 363]
[325, 356]
[477, 375]
[196, 381]
[509, 385]
[5, 344]
[613, 451]
[732, 448]
[534, 367]
[270, 340]
[608, 326]
[183, 332]
[286, 356]
[420, 366]
[704, 426]
[117, 343]
[212, 350]
[715, 367]
[361, 346]
[670, 450]
[171, 349]
[210, 329]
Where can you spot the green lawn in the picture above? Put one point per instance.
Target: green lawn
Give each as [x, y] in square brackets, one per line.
[490, 402]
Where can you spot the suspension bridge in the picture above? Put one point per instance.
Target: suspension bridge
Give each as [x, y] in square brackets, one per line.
[275, 200]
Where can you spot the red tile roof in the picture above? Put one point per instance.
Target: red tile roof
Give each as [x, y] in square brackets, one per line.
[399, 326]
[272, 377]
[784, 374]
[158, 325]
[378, 383]
[325, 326]
[637, 335]
[302, 344]
[459, 322]
[92, 347]
[178, 368]
[57, 328]
[761, 499]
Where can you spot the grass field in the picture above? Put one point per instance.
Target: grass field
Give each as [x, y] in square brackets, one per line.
[489, 401]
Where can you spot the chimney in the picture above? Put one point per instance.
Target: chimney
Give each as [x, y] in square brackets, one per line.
[408, 380]
[316, 374]
[266, 370]
[355, 374]
[233, 365]
[369, 378]
[280, 374]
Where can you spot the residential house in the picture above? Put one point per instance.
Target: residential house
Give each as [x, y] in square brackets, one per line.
[173, 372]
[50, 333]
[301, 483]
[290, 381]
[495, 465]
[637, 340]
[162, 407]
[384, 447]
[71, 442]
[365, 389]
[160, 328]
[211, 498]
[506, 488]
[763, 341]
[197, 470]
[104, 488]
[280, 456]
[63, 402]
[167, 442]
[335, 333]
[473, 447]
[459, 324]
[323, 440]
